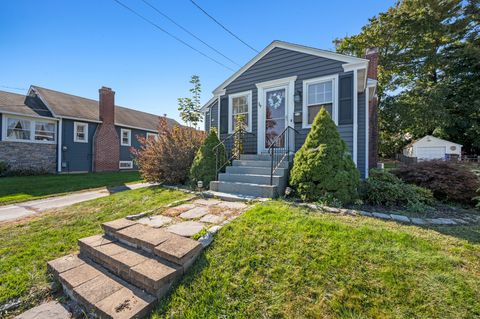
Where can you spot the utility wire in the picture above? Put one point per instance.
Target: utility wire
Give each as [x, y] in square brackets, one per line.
[170, 34]
[187, 31]
[12, 88]
[221, 25]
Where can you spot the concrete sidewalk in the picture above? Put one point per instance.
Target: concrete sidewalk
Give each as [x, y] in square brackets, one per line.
[20, 210]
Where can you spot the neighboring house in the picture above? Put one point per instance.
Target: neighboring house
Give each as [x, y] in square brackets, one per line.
[431, 148]
[286, 85]
[60, 132]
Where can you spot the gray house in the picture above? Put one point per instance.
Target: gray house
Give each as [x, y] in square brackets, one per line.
[279, 92]
[60, 132]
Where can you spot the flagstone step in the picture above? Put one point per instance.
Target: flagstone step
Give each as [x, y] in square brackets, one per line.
[159, 242]
[99, 292]
[134, 266]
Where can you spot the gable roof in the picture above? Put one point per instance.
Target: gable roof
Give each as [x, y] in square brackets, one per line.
[76, 107]
[433, 138]
[349, 60]
[19, 104]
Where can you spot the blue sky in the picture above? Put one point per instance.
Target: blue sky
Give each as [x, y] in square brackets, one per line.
[78, 46]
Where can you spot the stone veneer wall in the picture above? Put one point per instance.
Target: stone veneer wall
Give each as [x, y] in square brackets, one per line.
[29, 155]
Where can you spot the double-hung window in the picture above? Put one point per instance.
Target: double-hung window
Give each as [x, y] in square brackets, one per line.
[80, 132]
[19, 129]
[318, 93]
[240, 104]
[152, 135]
[125, 137]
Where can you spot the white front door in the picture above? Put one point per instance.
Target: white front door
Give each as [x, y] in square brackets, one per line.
[275, 113]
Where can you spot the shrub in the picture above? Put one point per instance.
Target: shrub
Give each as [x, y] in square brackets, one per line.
[447, 180]
[168, 158]
[384, 188]
[3, 168]
[204, 164]
[323, 166]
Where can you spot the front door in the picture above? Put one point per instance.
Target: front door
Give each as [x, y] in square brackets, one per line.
[275, 116]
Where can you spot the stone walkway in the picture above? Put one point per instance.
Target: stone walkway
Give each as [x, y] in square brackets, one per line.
[465, 220]
[24, 209]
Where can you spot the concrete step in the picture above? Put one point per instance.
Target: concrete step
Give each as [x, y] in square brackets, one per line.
[256, 190]
[249, 178]
[130, 264]
[258, 157]
[255, 170]
[158, 242]
[100, 293]
[248, 163]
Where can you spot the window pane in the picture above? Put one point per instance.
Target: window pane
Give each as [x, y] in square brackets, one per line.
[18, 129]
[81, 135]
[240, 107]
[319, 93]
[314, 109]
[44, 131]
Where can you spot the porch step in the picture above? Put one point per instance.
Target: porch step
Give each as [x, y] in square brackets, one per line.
[257, 163]
[258, 157]
[249, 178]
[99, 292]
[249, 189]
[135, 267]
[255, 170]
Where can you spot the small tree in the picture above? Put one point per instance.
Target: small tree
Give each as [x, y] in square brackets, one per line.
[239, 130]
[190, 107]
[168, 158]
[323, 167]
[204, 165]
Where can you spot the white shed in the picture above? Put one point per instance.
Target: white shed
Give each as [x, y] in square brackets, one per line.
[430, 148]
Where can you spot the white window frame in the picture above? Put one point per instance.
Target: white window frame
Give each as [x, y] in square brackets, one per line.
[32, 122]
[75, 130]
[149, 134]
[129, 137]
[306, 83]
[248, 94]
[130, 164]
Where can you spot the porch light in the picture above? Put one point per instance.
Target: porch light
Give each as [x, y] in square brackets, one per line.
[298, 97]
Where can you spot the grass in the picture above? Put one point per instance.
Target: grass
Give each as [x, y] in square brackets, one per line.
[28, 245]
[23, 188]
[282, 262]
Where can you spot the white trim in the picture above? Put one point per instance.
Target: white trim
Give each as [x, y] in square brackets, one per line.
[30, 116]
[355, 118]
[289, 46]
[32, 88]
[136, 127]
[130, 164]
[80, 119]
[355, 66]
[32, 121]
[367, 129]
[230, 110]
[59, 146]
[129, 137]
[262, 87]
[203, 109]
[84, 124]
[335, 91]
[218, 116]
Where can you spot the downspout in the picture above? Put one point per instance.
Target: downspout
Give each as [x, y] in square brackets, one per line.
[59, 145]
[93, 147]
[355, 116]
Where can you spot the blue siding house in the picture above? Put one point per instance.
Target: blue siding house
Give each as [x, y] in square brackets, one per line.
[59, 132]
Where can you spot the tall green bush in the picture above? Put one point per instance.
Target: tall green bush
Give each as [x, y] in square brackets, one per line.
[323, 167]
[203, 167]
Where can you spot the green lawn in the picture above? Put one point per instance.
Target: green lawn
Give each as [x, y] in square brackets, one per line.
[28, 245]
[19, 189]
[282, 262]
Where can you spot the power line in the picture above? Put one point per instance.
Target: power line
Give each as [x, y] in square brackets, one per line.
[225, 28]
[187, 31]
[171, 35]
[12, 88]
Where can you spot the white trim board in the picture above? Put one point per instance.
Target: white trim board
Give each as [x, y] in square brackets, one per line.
[335, 91]
[75, 130]
[230, 109]
[129, 137]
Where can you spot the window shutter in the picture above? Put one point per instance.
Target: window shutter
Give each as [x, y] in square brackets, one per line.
[224, 115]
[345, 97]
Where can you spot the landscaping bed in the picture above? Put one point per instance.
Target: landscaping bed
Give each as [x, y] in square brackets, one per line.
[23, 188]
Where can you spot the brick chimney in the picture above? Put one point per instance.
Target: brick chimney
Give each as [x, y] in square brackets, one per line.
[372, 55]
[106, 143]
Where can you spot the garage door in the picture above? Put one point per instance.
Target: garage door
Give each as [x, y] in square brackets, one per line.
[431, 152]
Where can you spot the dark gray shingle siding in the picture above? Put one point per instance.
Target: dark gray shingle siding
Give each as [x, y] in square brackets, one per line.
[361, 134]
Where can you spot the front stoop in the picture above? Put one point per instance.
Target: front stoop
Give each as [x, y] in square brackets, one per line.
[123, 273]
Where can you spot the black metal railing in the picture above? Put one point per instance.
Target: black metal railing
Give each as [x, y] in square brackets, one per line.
[227, 144]
[279, 150]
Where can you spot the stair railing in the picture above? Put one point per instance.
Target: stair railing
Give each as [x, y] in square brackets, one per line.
[227, 144]
[279, 150]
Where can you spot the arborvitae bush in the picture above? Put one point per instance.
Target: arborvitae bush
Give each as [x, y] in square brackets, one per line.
[203, 167]
[323, 167]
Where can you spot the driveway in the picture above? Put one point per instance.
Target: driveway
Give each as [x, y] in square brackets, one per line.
[20, 210]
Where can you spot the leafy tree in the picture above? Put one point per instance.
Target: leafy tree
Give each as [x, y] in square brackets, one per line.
[323, 167]
[204, 165]
[429, 63]
[190, 107]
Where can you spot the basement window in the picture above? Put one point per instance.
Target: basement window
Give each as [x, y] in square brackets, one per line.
[125, 136]
[126, 165]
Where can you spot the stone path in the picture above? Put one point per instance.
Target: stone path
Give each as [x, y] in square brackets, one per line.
[122, 273]
[24, 209]
[465, 220]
